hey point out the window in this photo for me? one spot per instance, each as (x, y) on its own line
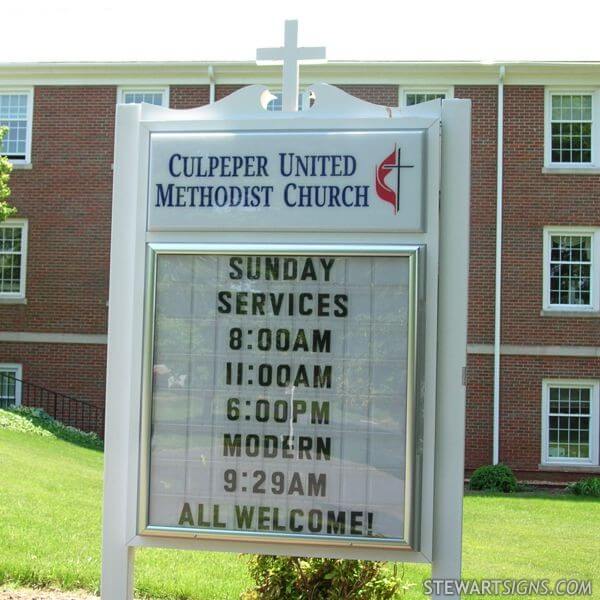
(10, 385)
(570, 426)
(571, 269)
(16, 114)
(571, 128)
(416, 97)
(276, 104)
(158, 96)
(13, 259)
(411, 96)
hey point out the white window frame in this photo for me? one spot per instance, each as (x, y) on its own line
(18, 370)
(594, 305)
(157, 89)
(594, 386)
(566, 91)
(29, 92)
(18, 297)
(403, 90)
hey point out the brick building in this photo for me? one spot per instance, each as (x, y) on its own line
(533, 371)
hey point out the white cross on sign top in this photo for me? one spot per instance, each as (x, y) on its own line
(291, 56)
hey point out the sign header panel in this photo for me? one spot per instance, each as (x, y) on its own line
(280, 395)
(368, 180)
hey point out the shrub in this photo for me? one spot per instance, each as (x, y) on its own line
(586, 487)
(36, 421)
(293, 578)
(494, 478)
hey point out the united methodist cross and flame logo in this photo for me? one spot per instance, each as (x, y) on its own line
(386, 166)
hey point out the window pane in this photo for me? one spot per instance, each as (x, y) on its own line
(8, 395)
(570, 270)
(571, 128)
(156, 97)
(413, 98)
(568, 434)
(13, 114)
(10, 259)
(277, 103)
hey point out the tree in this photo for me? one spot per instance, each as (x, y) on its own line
(6, 210)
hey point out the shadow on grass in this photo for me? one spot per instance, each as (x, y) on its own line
(34, 420)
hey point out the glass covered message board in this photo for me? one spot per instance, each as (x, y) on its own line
(279, 394)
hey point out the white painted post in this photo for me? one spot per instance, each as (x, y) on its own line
(117, 556)
(452, 341)
(291, 56)
(125, 330)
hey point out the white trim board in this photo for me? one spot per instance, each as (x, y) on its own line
(335, 72)
(523, 350)
(506, 349)
(52, 338)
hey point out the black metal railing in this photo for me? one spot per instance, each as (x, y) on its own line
(66, 409)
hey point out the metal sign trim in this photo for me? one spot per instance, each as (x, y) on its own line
(412, 497)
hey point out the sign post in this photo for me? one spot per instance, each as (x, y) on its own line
(287, 330)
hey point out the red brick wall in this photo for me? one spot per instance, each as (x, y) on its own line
(72, 369)
(377, 94)
(188, 96)
(224, 90)
(483, 210)
(533, 200)
(67, 198)
(75, 370)
(520, 406)
(479, 410)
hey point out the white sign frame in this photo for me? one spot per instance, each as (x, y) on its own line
(444, 356)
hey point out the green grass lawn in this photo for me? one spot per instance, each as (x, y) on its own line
(527, 536)
(50, 513)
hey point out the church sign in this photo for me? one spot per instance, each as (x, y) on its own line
(282, 392)
(287, 330)
(360, 177)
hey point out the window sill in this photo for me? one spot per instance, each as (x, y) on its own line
(13, 300)
(562, 468)
(571, 170)
(571, 314)
(22, 166)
